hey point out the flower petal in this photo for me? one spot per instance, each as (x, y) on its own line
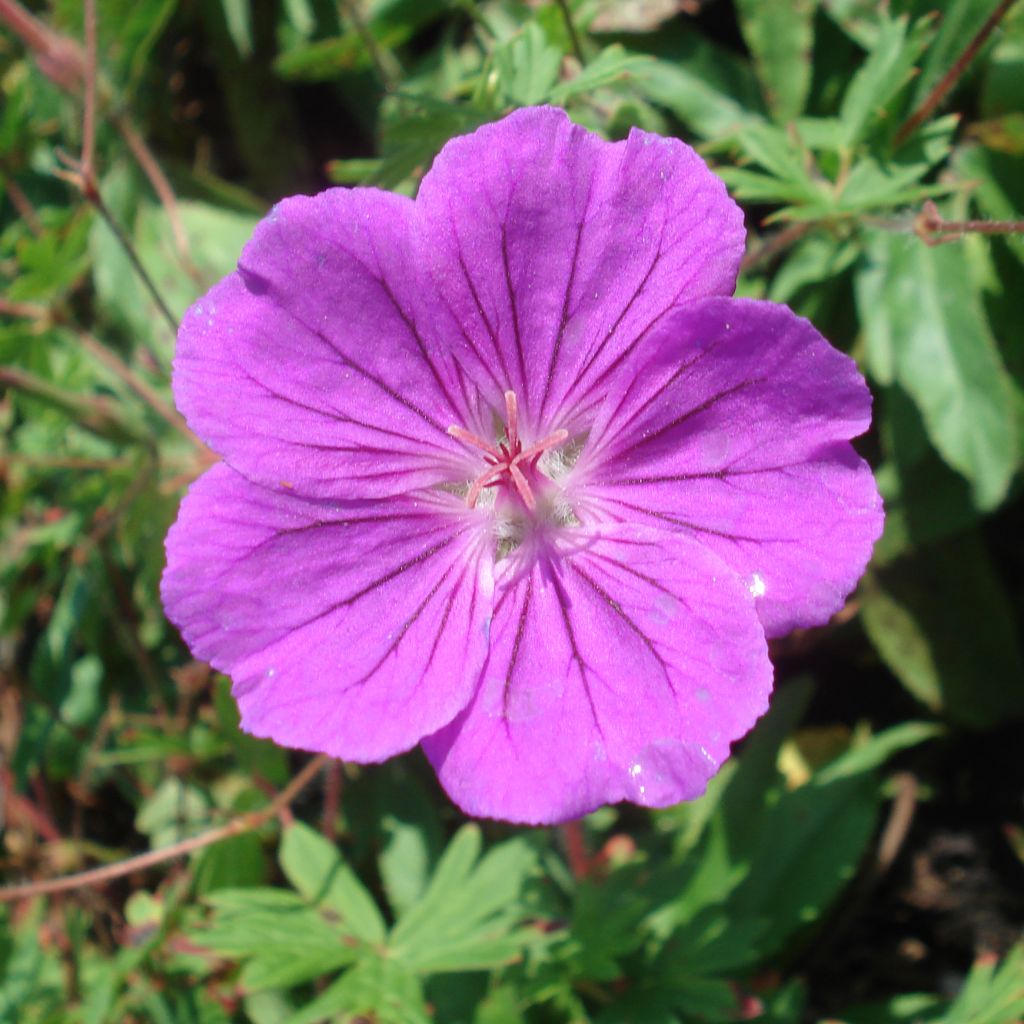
(308, 366)
(349, 630)
(621, 668)
(557, 251)
(737, 430)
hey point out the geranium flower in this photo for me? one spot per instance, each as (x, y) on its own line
(506, 473)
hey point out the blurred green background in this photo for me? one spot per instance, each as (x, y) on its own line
(859, 860)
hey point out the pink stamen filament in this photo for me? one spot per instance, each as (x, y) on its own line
(508, 457)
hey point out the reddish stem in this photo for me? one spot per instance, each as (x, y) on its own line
(576, 851)
(952, 76)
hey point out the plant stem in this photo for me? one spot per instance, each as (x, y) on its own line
(243, 823)
(952, 76)
(933, 229)
(89, 115)
(389, 71)
(574, 37)
(129, 250)
(576, 849)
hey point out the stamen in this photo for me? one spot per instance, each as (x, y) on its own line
(522, 485)
(508, 456)
(551, 441)
(467, 438)
(512, 421)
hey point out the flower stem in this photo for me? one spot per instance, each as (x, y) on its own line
(933, 229)
(243, 823)
(574, 38)
(952, 76)
(576, 851)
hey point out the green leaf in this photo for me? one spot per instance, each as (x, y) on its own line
(887, 70)
(817, 258)
(313, 865)
(926, 330)
(925, 500)
(993, 992)
(875, 182)
(527, 66)
(376, 988)
(960, 22)
(238, 18)
(283, 940)
(704, 85)
(467, 917)
(612, 64)
(780, 36)
(237, 860)
(783, 855)
(605, 925)
(412, 839)
(942, 622)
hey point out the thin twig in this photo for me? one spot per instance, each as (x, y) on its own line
(113, 362)
(570, 25)
(62, 61)
(952, 76)
(389, 71)
(900, 818)
(776, 245)
(59, 58)
(332, 801)
(161, 186)
(29, 310)
(23, 205)
(89, 115)
(243, 823)
(933, 229)
(129, 249)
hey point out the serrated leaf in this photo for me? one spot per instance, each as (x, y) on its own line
(468, 914)
(887, 70)
(412, 838)
(313, 865)
(884, 182)
(527, 66)
(926, 330)
(290, 932)
(377, 988)
(269, 969)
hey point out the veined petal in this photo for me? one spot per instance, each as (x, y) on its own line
(623, 662)
(557, 251)
(353, 630)
(736, 429)
(309, 367)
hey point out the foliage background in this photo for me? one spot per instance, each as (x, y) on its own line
(861, 858)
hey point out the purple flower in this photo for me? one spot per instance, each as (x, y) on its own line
(508, 474)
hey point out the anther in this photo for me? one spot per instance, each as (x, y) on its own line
(507, 457)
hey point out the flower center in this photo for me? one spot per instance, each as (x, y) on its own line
(508, 461)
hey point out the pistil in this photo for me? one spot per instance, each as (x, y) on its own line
(508, 456)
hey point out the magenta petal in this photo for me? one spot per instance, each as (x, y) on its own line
(557, 250)
(309, 368)
(737, 430)
(349, 630)
(623, 663)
